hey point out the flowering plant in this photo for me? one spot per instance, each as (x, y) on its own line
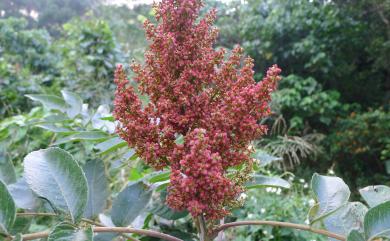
(214, 104)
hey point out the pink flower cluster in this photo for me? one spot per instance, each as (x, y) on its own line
(215, 104)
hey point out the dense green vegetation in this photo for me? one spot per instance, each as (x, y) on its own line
(330, 113)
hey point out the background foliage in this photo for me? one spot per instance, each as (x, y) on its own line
(330, 115)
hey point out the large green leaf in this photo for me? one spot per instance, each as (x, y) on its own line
(375, 195)
(130, 203)
(23, 195)
(110, 145)
(51, 102)
(7, 171)
(331, 194)
(261, 181)
(7, 209)
(347, 218)
(74, 101)
(377, 222)
(83, 135)
(67, 232)
(354, 235)
(54, 175)
(97, 186)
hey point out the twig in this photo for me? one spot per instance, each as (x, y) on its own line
(280, 224)
(54, 214)
(83, 219)
(149, 233)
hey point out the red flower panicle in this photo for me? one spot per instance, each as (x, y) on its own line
(215, 104)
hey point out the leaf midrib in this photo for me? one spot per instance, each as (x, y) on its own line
(63, 194)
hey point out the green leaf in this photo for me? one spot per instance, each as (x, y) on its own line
(134, 174)
(18, 237)
(130, 203)
(84, 135)
(375, 195)
(354, 235)
(110, 145)
(74, 101)
(331, 194)
(108, 118)
(97, 122)
(377, 222)
(265, 158)
(23, 196)
(7, 170)
(97, 188)
(51, 102)
(159, 176)
(105, 237)
(56, 129)
(7, 209)
(347, 218)
(67, 232)
(54, 175)
(55, 118)
(161, 187)
(159, 208)
(261, 181)
(313, 211)
(21, 225)
(106, 220)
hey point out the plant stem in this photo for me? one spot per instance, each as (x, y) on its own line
(203, 228)
(54, 214)
(280, 224)
(149, 233)
(83, 219)
(220, 236)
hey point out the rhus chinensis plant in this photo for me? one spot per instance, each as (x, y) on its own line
(196, 128)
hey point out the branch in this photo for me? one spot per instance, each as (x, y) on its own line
(83, 219)
(280, 224)
(54, 214)
(120, 230)
(203, 228)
